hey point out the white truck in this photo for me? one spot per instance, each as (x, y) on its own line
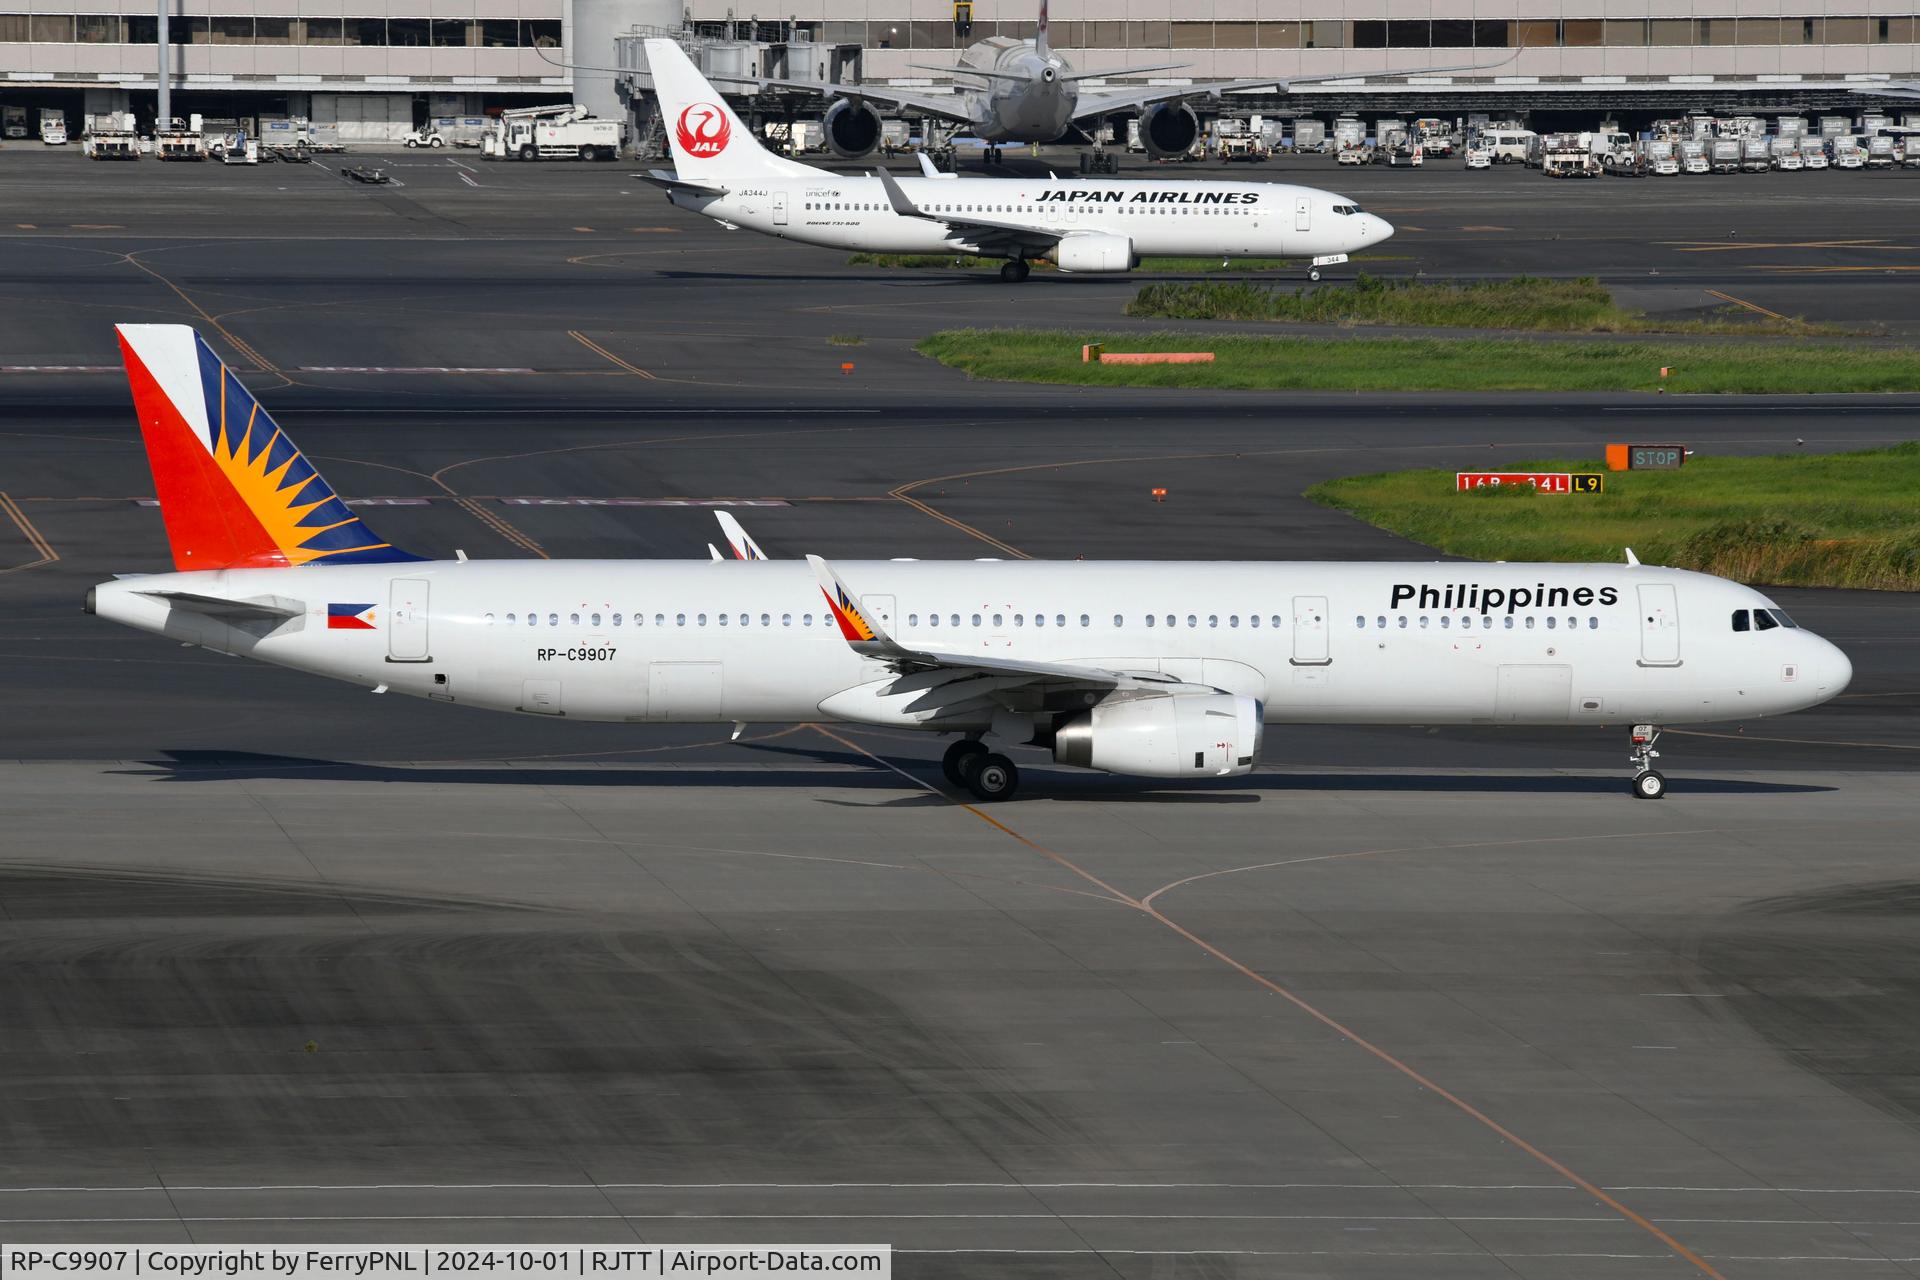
(53, 127)
(1661, 156)
(1843, 152)
(1756, 154)
(1813, 152)
(1724, 155)
(1784, 154)
(1693, 157)
(1612, 147)
(1880, 152)
(563, 132)
(13, 121)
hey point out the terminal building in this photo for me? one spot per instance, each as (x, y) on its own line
(371, 69)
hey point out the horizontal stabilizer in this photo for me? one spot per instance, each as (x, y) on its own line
(672, 182)
(273, 608)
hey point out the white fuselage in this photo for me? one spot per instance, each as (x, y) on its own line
(1435, 643)
(1212, 219)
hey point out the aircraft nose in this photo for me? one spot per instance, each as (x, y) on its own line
(1380, 229)
(1833, 670)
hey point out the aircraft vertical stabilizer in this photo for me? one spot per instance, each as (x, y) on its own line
(708, 140)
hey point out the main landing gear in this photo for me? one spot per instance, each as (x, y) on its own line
(1648, 784)
(988, 775)
(1014, 271)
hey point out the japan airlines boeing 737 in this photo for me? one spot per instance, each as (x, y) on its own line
(1083, 224)
(1161, 670)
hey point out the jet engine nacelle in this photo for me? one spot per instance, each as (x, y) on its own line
(1169, 129)
(852, 128)
(1201, 735)
(1094, 251)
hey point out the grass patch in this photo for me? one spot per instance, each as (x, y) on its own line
(1170, 266)
(846, 340)
(1525, 302)
(1814, 520)
(1429, 364)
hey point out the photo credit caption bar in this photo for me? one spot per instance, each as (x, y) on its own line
(415, 1262)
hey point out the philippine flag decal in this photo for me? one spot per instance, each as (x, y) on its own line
(350, 617)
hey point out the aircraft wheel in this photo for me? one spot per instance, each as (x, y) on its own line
(1015, 271)
(1314, 274)
(1648, 784)
(961, 757)
(994, 778)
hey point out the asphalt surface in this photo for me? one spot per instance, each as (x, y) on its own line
(283, 960)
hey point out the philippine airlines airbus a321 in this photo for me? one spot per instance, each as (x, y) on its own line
(1153, 669)
(1082, 224)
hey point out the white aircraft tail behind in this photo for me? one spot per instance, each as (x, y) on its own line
(708, 140)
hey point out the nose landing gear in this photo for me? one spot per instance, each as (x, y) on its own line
(1648, 783)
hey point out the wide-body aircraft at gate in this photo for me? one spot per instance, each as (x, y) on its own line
(1079, 224)
(1154, 669)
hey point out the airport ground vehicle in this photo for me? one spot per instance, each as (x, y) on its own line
(557, 132)
(1879, 152)
(1661, 157)
(53, 127)
(1353, 155)
(1723, 155)
(1813, 152)
(13, 122)
(1159, 670)
(180, 140)
(1566, 155)
(1785, 154)
(1843, 152)
(1079, 224)
(424, 138)
(1509, 146)
(1479, 158)
(1756, 154)
(1611, 147)
(1693, 158)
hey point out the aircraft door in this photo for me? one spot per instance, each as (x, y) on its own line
(1310, 629)
(1303, 214)
(1659, 626)
(407, 620)
(779, 208)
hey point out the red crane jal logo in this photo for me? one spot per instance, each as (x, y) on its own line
(703, 130)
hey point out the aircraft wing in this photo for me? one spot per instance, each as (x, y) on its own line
(985, 235)
(940, 106)
(1093, 105)
(865, 638)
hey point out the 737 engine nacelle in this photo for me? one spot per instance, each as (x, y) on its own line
(1210, 735)
(851, 128)
(1094, 251)
(1169, 130)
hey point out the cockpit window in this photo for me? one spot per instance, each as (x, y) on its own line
(1780, 616)
(1348, 209)
(1740, 621)
(1763, 620)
